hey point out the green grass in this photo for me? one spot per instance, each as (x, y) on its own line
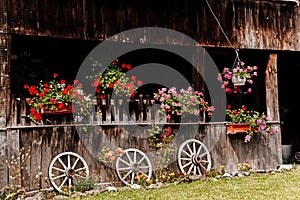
(279, 185)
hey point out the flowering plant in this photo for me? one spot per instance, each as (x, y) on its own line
(242, 72)
(108, 156)
(82, 101)
(160, 137)
(55, 95)
(52, 95)
(257, 121)
(163, 138)
(182, 102)
(113, 78)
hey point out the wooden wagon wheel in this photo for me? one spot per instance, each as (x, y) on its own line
(193, 158)
(133, 166)
(64, 169)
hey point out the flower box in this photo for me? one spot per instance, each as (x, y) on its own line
(237, 128)
(60, 110)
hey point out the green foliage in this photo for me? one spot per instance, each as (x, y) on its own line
(161, 137)
(163, 140)
(243, 72)
(113, 78)
(182, 103)
(15, 190)
(245, 167)
(84, 184)
(257, 121)
(56, 95)
(108, 156)
(280, 185)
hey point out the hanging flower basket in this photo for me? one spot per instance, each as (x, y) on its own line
(238, 80)
(237, 128)
(239, 75)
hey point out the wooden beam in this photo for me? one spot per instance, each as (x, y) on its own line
(271, 82)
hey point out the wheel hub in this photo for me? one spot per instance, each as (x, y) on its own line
(196, 159)
(70, 172)
(135, 167)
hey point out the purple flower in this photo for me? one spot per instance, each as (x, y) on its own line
(247, 138)
(193, 99)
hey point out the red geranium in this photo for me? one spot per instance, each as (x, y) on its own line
(52, 95)
(114, 78)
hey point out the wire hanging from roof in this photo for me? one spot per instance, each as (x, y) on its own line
(237, 59)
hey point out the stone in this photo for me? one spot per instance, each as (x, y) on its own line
(135, 186)
(285, 167)
(111, 188)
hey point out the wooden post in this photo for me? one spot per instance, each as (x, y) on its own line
(140, 108)
(272, 101)
(148, 106)
(271, 83)
(23, 112)
(108, 110)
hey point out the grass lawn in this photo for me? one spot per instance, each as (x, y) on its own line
(279, 185)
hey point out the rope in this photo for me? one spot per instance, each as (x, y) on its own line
(219, 24)
(237, 59)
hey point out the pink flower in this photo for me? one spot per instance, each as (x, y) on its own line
(219, 77)
(247, 138)
(193, 99)
(162, 99)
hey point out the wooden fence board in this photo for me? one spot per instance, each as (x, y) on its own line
(48, 140)
(227, 150)
(3, 158)
(13, 147)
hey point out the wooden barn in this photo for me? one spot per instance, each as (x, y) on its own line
(39, 38)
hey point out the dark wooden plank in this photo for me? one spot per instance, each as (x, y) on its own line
(248, 24)
(263, 151)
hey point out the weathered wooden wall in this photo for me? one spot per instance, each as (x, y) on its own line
(264, 152)
(248, 23)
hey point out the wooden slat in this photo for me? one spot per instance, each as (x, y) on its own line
(13, 147)
(108, 117)
(47, 142)
(3, 158)
(140, 109)
(248, 24)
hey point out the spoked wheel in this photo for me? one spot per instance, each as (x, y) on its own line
(133, 166)
(65, 168)
(193, 158)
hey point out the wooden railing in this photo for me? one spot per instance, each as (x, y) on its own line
(142, 109)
